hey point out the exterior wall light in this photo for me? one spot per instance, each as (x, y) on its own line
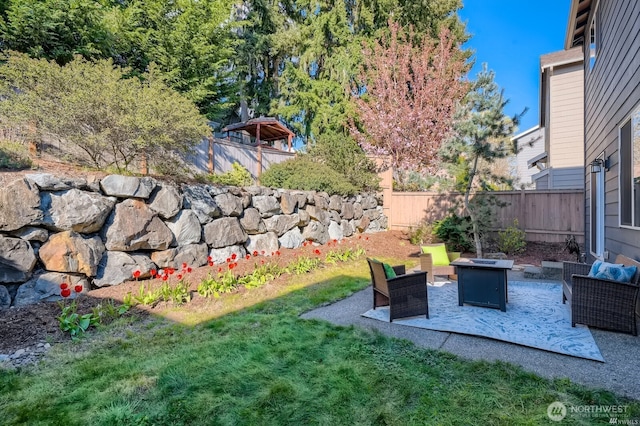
(598, 164)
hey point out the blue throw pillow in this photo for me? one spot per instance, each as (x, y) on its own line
(613, 272)
(594, 268)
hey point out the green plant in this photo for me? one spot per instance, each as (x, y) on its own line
(237, 176)
(304, 264)
(421, 234)
(305, 174)
(14, 155)
(455, 232)
(345, 255)
(225, 283)
(512, 239)
(69, 319)
(108, 311)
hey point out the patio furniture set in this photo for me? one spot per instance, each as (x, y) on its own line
(596, 298)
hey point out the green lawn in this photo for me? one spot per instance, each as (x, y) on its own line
(260, 364)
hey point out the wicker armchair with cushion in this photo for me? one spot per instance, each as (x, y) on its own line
(405, 294)
(435, 259)
(601, 302)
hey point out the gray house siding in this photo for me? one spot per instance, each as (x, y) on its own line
(612, 91)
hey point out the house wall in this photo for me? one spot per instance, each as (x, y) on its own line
(565, 125)
(612, 91)
(529, 144)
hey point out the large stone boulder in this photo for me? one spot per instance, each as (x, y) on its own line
(186, 228)
(75, 210)
(335, 203)
(318, 214)
(46, 288)
(117, 267)
(193, 255)
(134, 226)
(288, 202)
(19, 205)
(5, 298)
(252, 222)
(229, 204)
(31, 233)
(17, 260)
(198, 199)
(316, 231)
(347, 210)
(166, 200)
(225, 231)
(264, 244)
(291, 239)
(335, 231)
(220, 255)
(48, 182)
(69, 251)
(281, 223)
(267, 205)
(127, 186)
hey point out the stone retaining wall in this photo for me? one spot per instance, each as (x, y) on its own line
(96, 233)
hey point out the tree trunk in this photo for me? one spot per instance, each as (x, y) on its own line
(474, 222)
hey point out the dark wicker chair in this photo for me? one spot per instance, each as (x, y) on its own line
(406, 294)
(600, 303)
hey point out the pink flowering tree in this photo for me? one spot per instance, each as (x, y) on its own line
(406, 97)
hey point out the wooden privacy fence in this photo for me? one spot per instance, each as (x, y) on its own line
(545, 215)
(218, 155)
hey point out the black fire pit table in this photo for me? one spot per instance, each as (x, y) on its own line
(483, 282)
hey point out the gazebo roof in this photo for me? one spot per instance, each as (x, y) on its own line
(270, 129)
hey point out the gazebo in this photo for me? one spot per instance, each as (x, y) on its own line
(263, 129)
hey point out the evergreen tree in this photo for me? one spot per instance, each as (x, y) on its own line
(482, 132)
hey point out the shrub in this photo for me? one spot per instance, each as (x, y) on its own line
(107, 118)
(237, 176)
(346, 157)
(14, 155)
(421, 234)
(512, 239)
(304, 174)
(455, 232)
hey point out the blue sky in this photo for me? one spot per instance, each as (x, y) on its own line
(509, 36)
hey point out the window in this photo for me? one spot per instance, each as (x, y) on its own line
(592, 44)
(630, 171)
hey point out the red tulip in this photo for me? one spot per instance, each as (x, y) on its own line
(335, 241)
(78, 288)
(65, 292)
(228, 260)
(232, 265)
(63, 286)
(220, 269)
(171, 271)
(248, 257)
(184, 265)
(179, 276)
(209, 259)
(165, 277)
(255, 252)
(136, 274)
(210, 263)
(317, 251)
(153, 273)
(278, 253)
(189, 269)
(234, 256)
